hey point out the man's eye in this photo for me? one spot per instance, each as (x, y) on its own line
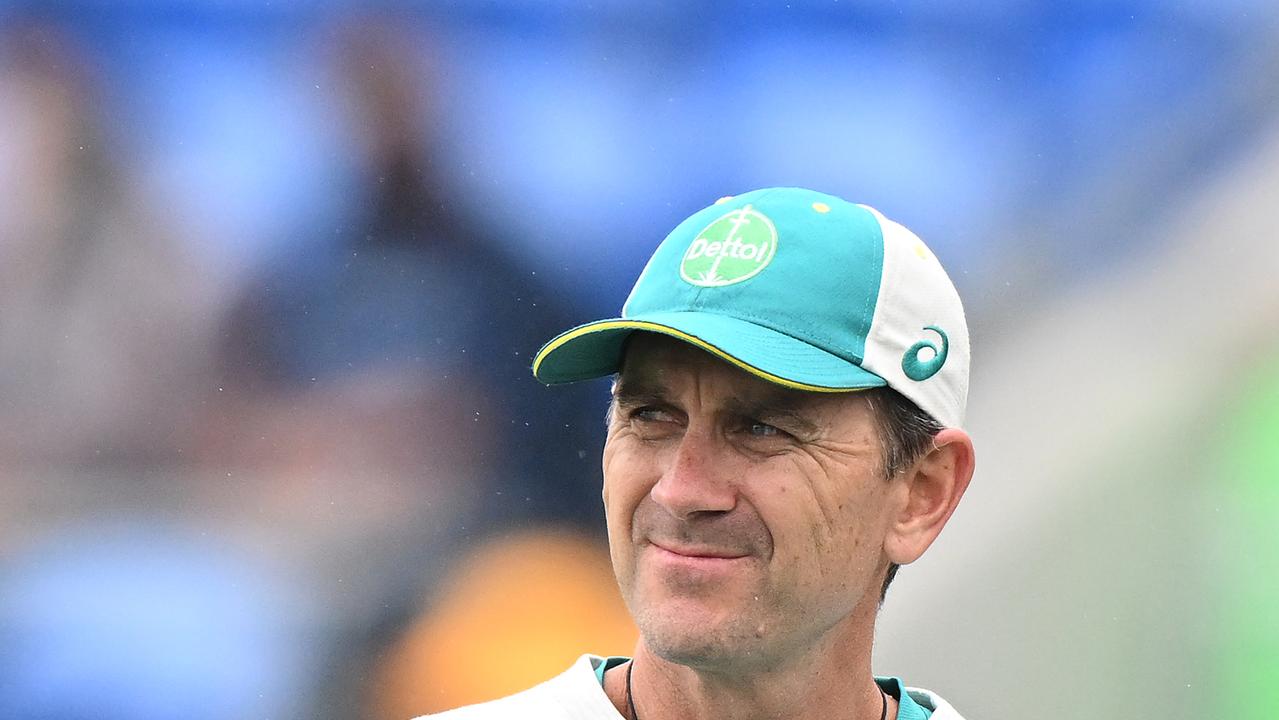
(650, 414)
(759, 429)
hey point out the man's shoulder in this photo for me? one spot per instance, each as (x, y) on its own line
(574, 694)
(527, 703)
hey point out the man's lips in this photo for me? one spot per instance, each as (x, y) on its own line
(696, 552)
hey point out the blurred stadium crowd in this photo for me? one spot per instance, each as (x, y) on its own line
(271, 278)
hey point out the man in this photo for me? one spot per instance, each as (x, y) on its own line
(791, 378)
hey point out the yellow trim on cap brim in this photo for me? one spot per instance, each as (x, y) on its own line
(691, 339)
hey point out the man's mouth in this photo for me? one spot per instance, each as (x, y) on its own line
(697, 552)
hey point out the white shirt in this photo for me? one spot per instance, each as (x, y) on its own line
(575, 694)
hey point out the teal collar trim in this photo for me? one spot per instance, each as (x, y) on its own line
(907, 708)
(607, 664)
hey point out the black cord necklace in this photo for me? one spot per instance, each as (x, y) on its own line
(630, 699)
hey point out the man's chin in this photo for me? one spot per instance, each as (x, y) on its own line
(688, 633)
(694, 652)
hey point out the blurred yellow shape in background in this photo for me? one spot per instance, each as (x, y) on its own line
(515, 612)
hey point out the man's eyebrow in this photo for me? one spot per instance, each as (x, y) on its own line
(632, 392)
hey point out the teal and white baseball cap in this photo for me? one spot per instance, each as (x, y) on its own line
(797, 287)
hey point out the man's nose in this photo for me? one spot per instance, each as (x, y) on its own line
(697, 478)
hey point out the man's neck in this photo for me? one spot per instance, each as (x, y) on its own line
(824, 690)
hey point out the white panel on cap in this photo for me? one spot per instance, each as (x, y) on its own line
(915, 292)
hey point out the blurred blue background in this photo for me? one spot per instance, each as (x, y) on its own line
(271, 275)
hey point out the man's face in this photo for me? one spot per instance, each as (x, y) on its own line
(746, 520)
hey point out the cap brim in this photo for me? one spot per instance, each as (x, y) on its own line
(595, 350)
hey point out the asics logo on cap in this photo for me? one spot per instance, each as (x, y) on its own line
(919, 370)
(733, 248)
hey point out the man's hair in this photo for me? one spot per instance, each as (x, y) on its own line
(906, 433)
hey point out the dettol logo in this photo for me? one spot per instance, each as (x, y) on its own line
(733, 248)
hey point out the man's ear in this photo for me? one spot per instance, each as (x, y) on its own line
(930, 491)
